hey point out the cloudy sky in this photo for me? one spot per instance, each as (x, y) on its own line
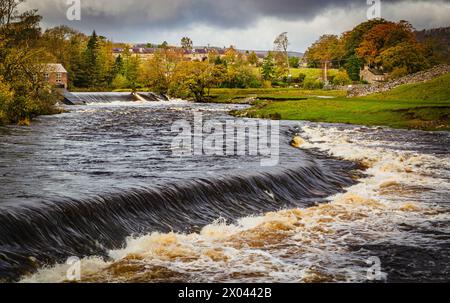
(247, 24)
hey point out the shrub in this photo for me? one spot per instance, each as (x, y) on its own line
(241, 77)
(119, 82)
(267, 84)
(342, 78)
(300, 79)
(313, 84)
(398, 72)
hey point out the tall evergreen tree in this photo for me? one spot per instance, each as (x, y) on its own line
(91, 68)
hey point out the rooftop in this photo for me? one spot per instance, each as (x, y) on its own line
(55, 68)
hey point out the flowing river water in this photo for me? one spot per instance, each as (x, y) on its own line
(101, 183)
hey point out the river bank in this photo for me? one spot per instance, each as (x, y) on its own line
(424, 106)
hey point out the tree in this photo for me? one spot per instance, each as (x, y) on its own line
(194, 79)
(380, 38)
(268, 68)
(282, 66)
(132, 70)
(294, 62)
(241, 76)
(282, 44)
(119, 82)
(23, 92)
(106, 63)
(164, 45)
(342, 78)
(186, 43)
(353, 67)
(252, 59)
(328, 48)
(353, 38)
(231, 55)
(119, 68)
(404, 56)
(66, 46)
(157, 72)
(90, 71)
(8, 11)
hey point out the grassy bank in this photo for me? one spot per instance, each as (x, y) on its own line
(420, 106)
(310, 73)
(274, 94)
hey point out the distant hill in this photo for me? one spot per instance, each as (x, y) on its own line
(439, 38)
(264, 53)
(439, 34)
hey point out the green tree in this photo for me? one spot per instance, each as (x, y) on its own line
(194, 79)
(252, 58)
(294, 62)
(268, 68)
(120, 82)
(186, 43)
(90, 73)
(132, 71)
(353, 67)
(119, 66)
(404, 55)
(157, 72)
(342, 78)
(282, 44)
(23, 92)
(164, 45)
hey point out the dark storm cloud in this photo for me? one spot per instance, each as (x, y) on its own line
(250, 23)
(103, 14)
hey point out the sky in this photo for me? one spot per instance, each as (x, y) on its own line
(246, 24)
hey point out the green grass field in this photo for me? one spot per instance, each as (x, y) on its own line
(226, 95)
(419, 106)
(311, 73)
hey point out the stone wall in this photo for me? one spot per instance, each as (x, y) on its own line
(423, 76)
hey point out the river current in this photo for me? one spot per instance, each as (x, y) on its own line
(101, 183)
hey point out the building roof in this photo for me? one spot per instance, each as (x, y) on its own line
(376, 72)
(200, 51)
(55, 68)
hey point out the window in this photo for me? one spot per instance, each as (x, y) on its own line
(58, 77)
(47, 76)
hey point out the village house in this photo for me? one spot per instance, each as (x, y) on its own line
(198, 54)
(141, 52)
(56, 75)
(372, 75)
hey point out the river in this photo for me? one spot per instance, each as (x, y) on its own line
(101, 183)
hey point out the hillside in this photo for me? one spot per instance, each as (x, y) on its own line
(420, 77)
(437, 89)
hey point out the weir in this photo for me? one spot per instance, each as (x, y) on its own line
(82, 98)
(39, 236)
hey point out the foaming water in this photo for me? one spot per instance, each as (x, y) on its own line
(397, 213)
(80, 183)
